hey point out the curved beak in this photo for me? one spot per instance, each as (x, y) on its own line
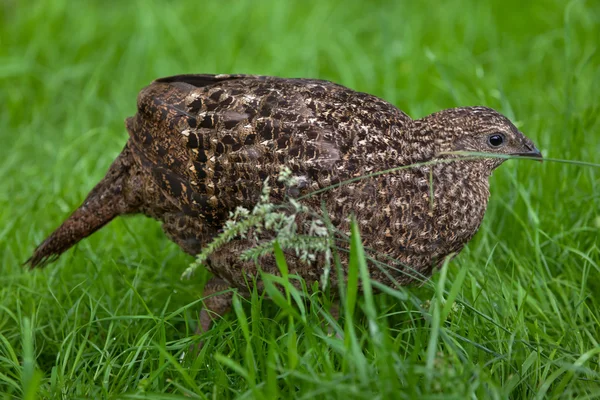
(531, 152)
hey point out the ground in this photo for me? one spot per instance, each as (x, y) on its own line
(516, 315)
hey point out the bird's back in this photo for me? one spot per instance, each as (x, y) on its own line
(209, 141)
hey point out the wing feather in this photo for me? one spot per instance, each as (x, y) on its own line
(209, 141)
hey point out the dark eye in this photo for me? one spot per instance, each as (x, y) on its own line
(496, 140)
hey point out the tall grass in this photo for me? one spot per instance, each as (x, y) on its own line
(516, 315)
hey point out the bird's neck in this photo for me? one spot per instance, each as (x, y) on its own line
(401, 148)
(460, 197)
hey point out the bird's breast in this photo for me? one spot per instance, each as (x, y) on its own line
(418, 216)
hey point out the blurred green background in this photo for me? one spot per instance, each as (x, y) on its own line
(93, 324)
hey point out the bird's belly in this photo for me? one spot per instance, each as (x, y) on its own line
(190, 233)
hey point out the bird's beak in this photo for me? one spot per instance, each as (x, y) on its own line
(532, 152)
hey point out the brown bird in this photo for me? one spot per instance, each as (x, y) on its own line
(202, 145)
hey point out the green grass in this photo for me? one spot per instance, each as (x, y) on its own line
(516, 315)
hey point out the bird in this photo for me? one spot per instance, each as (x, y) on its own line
(201, 145)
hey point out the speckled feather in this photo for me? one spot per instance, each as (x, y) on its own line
(201, 145)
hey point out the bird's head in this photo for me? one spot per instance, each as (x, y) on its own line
(474, 129)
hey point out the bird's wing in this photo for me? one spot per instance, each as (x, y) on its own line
(211, 140)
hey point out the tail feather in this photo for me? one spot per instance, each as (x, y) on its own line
(86, 220)
(105, 202)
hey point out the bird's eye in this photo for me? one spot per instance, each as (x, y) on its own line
(496, 140)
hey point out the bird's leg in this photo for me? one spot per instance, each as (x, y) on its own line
(215, 306)
(334, 310)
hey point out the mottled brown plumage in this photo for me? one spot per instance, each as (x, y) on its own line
(201, 145)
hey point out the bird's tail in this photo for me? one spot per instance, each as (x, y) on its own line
(105, 202)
